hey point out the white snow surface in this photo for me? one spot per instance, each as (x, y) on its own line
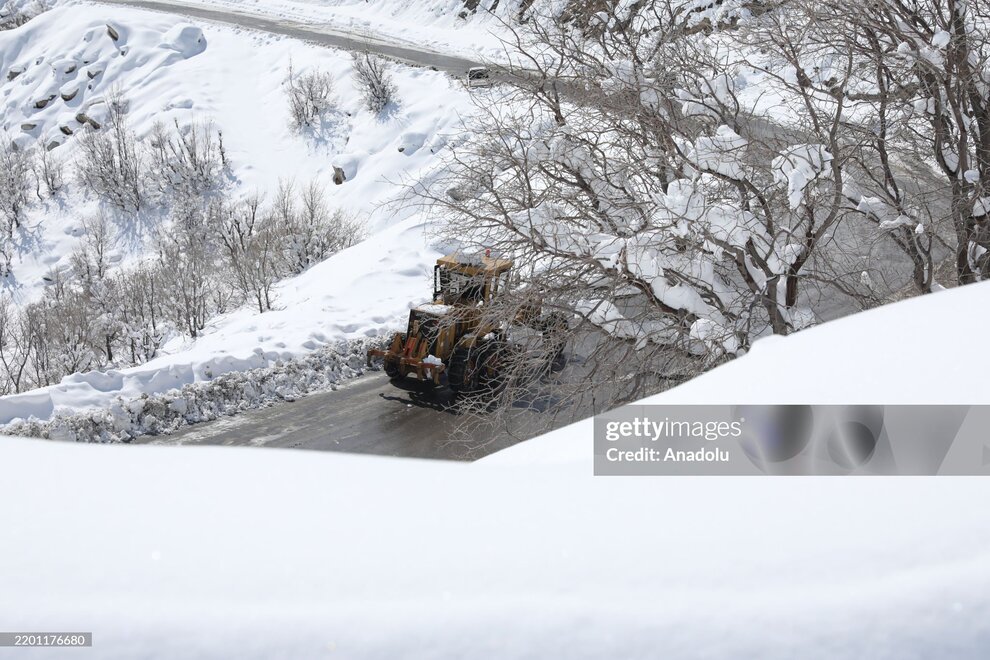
(220, 552)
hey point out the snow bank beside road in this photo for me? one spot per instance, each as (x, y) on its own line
(360, 293)
(125, 419)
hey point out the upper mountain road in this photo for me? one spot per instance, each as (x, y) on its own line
(313, 32)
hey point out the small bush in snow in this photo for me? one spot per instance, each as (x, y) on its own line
(310, 96)
(188, 161)
(50, 172)
(112, 161)
(374, 82)
(311, 232)
(15, 183)
(261, 245)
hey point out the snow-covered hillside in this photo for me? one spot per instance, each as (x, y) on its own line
(212, 552)
(171, 69)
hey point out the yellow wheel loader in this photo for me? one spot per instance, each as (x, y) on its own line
(451, 341)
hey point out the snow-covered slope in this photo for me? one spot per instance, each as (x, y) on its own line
(220, 552)
(172, 69)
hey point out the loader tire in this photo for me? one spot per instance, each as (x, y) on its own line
(462, 376)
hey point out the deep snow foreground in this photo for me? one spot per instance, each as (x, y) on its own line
(221, 552)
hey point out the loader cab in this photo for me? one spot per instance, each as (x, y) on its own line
(468, 279)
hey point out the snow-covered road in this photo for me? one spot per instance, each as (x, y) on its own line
(320, 34)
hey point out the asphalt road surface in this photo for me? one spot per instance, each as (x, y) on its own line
(313, 32)
(367, 415)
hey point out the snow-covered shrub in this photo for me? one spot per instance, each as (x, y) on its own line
(310, 96)
(62, 333)
(250, 250)
(311, 232)
(15, 183)
(112, 163)
(261, 245)
(193, 293)
(188, 162)
(374, 82)
(50, 171)
(13, 349)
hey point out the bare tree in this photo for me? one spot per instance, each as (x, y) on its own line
(112, 163)
(187, 161)
(14, 351)
(251, 250)
(644, 204)
(312, 233)
(310, 96)
(190, 291)
(50, 171)
(15, 183)
(374, 81)
(922, 110)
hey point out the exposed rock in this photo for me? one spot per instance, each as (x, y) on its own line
(65, 66)
(28, 126)
(85, 119)
(65, 129)
(42, 102)
(114, 34)
(338, 175)
(14, 72)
